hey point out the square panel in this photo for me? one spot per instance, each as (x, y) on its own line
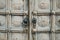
(3, 22)
(3, 36)
(42, 6)
(42, 36)
(16, 23)
(57, 23)
(18, 36)
(43, 23)
(19, 6)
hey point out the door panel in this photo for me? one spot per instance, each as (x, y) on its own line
(56, 5)
(57, 23)
(2, 5)
(42, 6)
(19, 6)
(3, 36)
(43, 23)
(18, 36)
(16, 23)
(3, 22)
(29, 19)
(57, 36)
(42, 36)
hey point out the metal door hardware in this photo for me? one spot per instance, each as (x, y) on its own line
(34, 20)
(25, 21)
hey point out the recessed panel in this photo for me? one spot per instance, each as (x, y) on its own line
(2, 22)
(42, 36)
(57, 37)
(58, 4)
(19, 5)
(57, 22)
(3, 36)
(42, 5)
(2, 5)
(18, 36)
(16, 23)
(43, 23)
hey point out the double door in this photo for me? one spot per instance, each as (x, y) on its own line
(29, 19)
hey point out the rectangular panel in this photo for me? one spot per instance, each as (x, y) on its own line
(56, 5)
(2, 5)
(16, 23)
(42, 36)
(3, 36)
(3, 22)
(57, 37)
(19, 6)
(18, 36)
(57, 22)
(43, 23)
(42, 6)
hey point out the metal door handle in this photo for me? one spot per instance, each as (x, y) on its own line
(34, 20)
(25, 21)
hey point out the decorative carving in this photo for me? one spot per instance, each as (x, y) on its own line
(43, 5)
